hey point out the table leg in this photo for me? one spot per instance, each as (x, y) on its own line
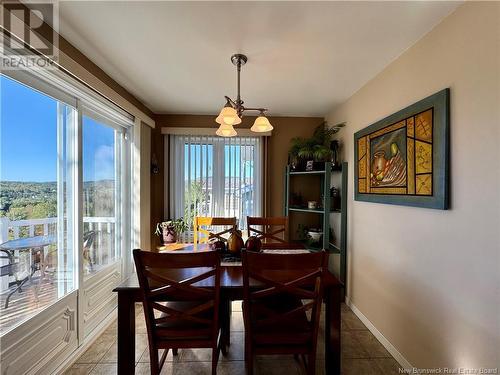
(126, 334)
(225, 319)
(18, 289)
(332, 331)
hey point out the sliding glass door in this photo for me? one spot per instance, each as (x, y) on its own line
(102, 164)
(37, 170)
(215, 176)
(100, 195)
(63, 167)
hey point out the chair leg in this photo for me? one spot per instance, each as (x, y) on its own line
(303, 358)
(249, 365)
(153, 359)
(222, 346)
(162, 360)
(215, 359)
(248, 358)
(175, 351)
(227, 322)
(311, 364)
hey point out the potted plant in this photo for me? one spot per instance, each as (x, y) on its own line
(169, 230)
(315, 150)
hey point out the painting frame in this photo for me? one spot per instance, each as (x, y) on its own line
(436, 194)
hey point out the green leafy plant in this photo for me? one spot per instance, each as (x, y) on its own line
(317, 147)
(195, 201)
(177, 225)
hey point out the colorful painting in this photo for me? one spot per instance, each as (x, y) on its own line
(403, 159)
(388, 159)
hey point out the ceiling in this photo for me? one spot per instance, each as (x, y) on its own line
(304, 58)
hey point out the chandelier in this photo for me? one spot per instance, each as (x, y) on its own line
(233, 110)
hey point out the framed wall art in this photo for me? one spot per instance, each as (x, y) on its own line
(404, 158)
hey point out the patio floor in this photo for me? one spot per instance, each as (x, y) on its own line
(33, 298)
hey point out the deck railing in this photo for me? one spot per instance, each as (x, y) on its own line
(13, 229)
(102, 249)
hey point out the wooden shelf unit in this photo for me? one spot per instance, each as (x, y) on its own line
(325, 211)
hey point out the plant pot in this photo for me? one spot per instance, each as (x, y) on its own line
(298, 166)
(319, 166)
(315, 237)
(334, 146)
(169, 235)
(312, 165)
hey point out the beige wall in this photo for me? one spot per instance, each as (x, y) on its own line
(427, 279)
(76, 64)
(285, 128)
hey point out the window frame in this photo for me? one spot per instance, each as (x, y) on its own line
(120, 161)
(171, 151)
(62, 88)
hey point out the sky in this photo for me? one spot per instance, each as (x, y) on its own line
(236, 163)
(28, 141)
(28, 138)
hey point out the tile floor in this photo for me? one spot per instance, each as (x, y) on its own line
(362, 354)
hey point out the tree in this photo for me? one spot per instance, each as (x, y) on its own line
(43, 210)
(17, 213)
(195, 198)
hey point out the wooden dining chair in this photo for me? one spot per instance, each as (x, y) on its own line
(88, 240)
(202, 233)
(277, 325)
(283, 245)
(181, 296)
(272, 229)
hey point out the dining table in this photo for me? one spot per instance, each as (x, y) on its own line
(27, 243)
(231, 284)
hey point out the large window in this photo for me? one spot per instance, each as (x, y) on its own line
(63, 161)
(37, 259)
(214, 176)
(101, 194)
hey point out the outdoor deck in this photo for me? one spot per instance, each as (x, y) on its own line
(42, 292)
(26, 304)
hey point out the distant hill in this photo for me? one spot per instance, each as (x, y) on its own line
(33, 200)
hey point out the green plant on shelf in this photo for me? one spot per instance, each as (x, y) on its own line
(315, 148)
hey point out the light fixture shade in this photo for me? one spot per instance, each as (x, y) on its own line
(226, 131)
(261, 125)
(228, 116)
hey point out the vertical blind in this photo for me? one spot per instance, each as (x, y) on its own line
(215, 176)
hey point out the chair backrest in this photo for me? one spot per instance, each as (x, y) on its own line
(193, 277)
(202, 233)
(11, 267)
(296, 275)
(272, 229)
(88, 238)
